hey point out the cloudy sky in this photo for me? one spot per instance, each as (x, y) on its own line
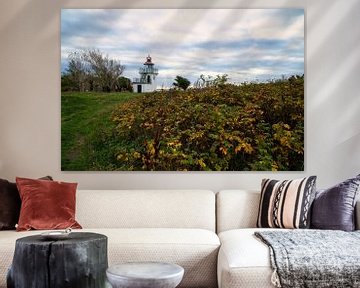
(246, 44)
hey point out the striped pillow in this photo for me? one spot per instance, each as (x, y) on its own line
(286, 204)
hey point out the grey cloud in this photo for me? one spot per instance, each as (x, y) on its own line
(80, 23)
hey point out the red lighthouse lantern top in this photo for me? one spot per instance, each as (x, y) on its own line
(148, 60)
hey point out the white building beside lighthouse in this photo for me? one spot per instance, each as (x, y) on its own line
(147, 80)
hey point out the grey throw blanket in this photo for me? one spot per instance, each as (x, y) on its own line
(314, 258)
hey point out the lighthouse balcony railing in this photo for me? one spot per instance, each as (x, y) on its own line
(148, 70)
(141, 80)
(137, 80)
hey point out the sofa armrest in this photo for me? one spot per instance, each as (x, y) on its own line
(357, 215)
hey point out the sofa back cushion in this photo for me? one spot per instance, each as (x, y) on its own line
(146, 209)
(236, 209)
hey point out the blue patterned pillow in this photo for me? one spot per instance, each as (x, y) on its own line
(334, 208)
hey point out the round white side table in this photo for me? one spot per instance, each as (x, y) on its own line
(145, 275)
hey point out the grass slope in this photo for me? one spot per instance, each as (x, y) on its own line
(85, 117)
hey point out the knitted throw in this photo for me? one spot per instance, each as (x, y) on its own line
(313, 258)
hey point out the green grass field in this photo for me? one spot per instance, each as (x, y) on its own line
(85, 125)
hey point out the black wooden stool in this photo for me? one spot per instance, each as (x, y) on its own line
(78, 261)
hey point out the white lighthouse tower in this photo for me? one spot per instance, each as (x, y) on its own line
(147, 80)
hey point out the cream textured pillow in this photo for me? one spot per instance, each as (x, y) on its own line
(286, 204)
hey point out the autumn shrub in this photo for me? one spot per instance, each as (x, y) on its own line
(252, 126)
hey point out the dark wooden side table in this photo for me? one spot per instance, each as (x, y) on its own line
(78, 261)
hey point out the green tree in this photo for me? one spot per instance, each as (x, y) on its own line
(220, 80)
(68, 84)
(209, 81)
(76, 73)
(105, 70)
(124, 84)
(91, 70)
(181, 82)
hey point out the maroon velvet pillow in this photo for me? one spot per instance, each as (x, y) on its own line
(46, 204)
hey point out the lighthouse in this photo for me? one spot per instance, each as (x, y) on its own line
(147, 80)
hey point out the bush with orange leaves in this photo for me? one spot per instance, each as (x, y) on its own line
(247, 127)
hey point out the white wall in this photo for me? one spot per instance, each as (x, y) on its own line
(30, 94)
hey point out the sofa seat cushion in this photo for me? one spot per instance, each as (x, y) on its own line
(196, 250)
(244, 261)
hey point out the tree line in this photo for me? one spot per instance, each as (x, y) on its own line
(203, 81)
(90, 70)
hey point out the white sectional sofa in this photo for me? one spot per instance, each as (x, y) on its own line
(175, 226)
(210, 235)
